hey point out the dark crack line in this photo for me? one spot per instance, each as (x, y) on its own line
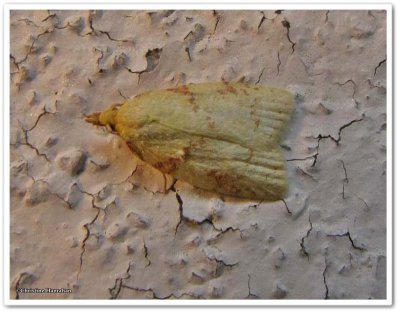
(113, 39)
(347, 125)
(218, 17)
(17, 284)
(350, 260)
(371, 85)
(151, 191)
(99, 58)
(321, 137)
(187, 49)
(303, 248)
(325, 109)
(26, 166)
(108, 185)
(146, 254)
(152, 57)
(141, 290)
(63, 200)
(95, 196)
(50, 15)
(380, 63)
(339, 138)
(115, 291)
(90, 20)
(83, 246)
(154, 296)
(28, 22)
(326, 16)
(314, 156)
(57, 20)
(123, 181)
(286, 206)
(188, 34)
(325, 282)
(259, 76)
(181, 216)
(64, 27)
(304, 173)
(14, 61)
(38, 119)
(86, 226)
(250, 295)
(370, 14)
(27, 130)
(278, 65)
(93, 31)
(263, 18)
(255, 205)
(208, 220)
(193, 296)
(166, 297)
(346, 179)
(135, 72)
(122, 95)
(48, 185)
(38, 153)
(172, 187)
(222, 262)
(222, 231)
(363, 201)
(300, 159)
(286, 24)
(347, 234)
(33, 43)
(354, 90)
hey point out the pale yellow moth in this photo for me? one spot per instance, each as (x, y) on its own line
(222, 136)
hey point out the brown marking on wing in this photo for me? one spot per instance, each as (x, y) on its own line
(181, 89)
(168, 166)
(244, 91)
(231, 89)
(134, 149)
(193, 102)
(225, 181)
(185, 91)
(210, 122)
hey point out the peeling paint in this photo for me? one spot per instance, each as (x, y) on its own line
(101, 222)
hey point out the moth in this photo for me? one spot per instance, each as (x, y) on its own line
(221, 136)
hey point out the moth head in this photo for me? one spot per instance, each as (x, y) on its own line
(105, 118)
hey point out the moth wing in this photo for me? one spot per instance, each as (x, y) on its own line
(235, 170)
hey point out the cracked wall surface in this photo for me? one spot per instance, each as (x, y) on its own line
(88, 215)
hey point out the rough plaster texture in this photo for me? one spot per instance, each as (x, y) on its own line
(88, 215)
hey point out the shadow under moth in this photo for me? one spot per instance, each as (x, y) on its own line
(221, 136)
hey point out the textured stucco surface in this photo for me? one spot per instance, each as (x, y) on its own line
(88, 215)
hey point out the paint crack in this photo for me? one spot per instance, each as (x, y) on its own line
(302, 242)
(347, 234)
(286, 24)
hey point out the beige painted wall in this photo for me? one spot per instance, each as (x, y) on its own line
(88, 215)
